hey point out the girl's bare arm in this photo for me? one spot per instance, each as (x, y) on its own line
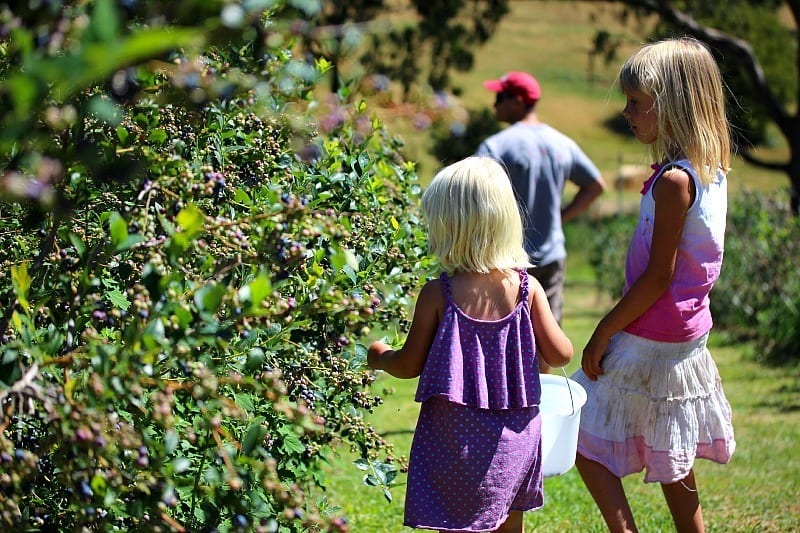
(553, 344)
(408, 361)
(673, 193)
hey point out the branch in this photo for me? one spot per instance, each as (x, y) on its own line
(738, 49)
(794, 7)
(25, 390)
(747, 154)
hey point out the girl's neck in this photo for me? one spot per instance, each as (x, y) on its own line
(494, 273)
(486, 296)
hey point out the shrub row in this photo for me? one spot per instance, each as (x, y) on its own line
(186, 266)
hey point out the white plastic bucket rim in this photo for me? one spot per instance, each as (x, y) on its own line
(560, 407)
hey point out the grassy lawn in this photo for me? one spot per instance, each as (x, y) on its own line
(758, 491)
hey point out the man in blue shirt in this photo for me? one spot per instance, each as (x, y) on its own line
(539, 160)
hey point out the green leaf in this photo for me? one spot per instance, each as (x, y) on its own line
(25, 90)
(242, 197)
(122, 134)
(255, 435)
(386, 472)
(98, 484)
(359, 356)
(98, 61)
(185, 316)
(104, 23)
(10, 372)
(244, 401)
(118, 228)
(105, 110)
(351, 259)
(256, 291)
(199, 514)
(118, 299)
(292, 444)
(157, 136)
(21, 281)
(209, 297)
(153, 334)
(191, 219)
(344, 260)
(129, 242)
(351, 274)
(255, 359)
(76, 241)
(170, 442)
(180, 464)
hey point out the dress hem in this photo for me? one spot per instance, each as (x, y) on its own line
(659, 466)
(481, 530)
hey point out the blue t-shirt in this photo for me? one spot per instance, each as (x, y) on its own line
(539, 160)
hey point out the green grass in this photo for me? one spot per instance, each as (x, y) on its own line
(756, 492)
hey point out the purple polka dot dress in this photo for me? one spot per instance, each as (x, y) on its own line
(476, 453)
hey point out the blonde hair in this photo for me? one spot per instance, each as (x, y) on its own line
(474, 221)
(684, 80)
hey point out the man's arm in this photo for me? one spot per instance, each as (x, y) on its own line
(583, 199)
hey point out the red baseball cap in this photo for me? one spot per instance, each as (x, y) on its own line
(521, 84)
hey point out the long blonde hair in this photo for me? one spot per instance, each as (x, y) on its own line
(684, 80)
(474, 220)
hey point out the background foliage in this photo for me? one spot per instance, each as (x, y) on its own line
(758, 23)
(189, 250)
(758, 296)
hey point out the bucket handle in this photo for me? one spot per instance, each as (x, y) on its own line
(571, 398)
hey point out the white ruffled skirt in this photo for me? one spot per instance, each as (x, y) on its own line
(657, 407)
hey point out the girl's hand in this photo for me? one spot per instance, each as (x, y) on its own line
(407, 362)
(376, 349)
(593, 354)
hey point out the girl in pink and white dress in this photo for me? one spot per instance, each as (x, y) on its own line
(655, 398)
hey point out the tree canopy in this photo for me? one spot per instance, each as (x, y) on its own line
(411, 42)
(757, 48)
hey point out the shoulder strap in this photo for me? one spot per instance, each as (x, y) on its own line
(659, 169)
(523, 285)
(448, 296)
(686, 166)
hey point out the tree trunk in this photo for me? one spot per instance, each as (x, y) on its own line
(794, 173)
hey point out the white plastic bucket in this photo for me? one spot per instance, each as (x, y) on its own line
(560, 407)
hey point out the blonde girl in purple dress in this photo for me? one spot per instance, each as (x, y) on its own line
(477, 333)
(655, 398)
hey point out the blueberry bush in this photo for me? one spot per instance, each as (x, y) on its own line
(190, 251)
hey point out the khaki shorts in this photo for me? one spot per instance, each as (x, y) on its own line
(551, 277)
